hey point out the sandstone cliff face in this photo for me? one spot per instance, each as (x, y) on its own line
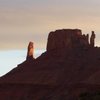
(67, 38)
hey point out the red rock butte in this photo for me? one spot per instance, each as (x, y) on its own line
(69, 38)
(69, 67)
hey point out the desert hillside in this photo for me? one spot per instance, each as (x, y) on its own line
(69, 68)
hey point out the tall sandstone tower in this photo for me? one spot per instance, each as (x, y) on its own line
(30, 50)
(92, 39)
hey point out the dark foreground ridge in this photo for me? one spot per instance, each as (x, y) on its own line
(68, 70)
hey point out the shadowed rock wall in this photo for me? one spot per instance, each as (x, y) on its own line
(67, 38)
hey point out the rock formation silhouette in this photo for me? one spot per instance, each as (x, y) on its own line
(30, 51)
(92, 39)
(69, 67)
(69, 38)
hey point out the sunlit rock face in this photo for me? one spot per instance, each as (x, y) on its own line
(30, 51)
(67, 38)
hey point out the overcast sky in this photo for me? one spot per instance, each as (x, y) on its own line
(22, 21)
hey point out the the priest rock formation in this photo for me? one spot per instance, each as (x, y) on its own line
(69, 67)
(69, 38)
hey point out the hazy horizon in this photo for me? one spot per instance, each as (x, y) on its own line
(11, 58)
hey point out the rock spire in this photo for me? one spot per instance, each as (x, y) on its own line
(92, 39)
(30, 50)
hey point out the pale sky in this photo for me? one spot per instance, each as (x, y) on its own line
(22, 21)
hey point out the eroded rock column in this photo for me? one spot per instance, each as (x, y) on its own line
(92, 39)
(30, 50)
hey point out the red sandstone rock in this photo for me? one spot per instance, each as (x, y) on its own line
(52, 76)
(92, 39)
(30, 51)
(66, 38)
